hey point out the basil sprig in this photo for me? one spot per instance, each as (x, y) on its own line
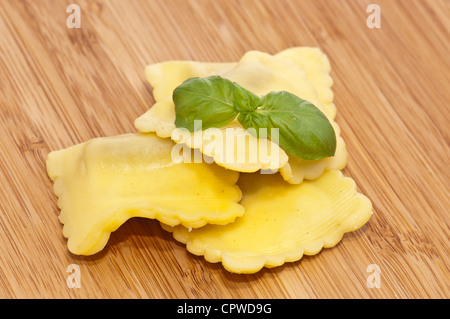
(303, 130)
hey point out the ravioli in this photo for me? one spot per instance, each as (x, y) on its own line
(282, 222)
(105, 181)
(260, 73)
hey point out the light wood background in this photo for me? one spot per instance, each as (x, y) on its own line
(62, 86)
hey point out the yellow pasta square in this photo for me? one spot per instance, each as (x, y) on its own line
(282, 222)
(302, 71)
(105, 181)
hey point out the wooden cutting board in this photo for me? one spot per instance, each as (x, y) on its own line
(60, 86)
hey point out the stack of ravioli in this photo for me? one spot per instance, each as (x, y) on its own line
(246, 214)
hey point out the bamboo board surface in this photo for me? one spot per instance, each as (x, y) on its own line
(61, 86)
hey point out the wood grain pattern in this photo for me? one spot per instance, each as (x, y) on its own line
(61, 86)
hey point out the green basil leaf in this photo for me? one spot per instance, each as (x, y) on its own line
(253, 122)
(207, 99)
(244, 100)
(304, 131)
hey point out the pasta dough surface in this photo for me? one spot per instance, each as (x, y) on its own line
(282, 222)
(105, 181)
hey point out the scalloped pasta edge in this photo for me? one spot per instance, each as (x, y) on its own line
(258, 262)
